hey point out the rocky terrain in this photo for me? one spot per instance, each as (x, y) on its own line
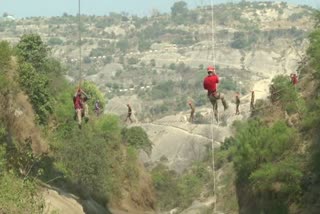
(157, 65)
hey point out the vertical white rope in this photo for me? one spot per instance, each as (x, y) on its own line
(80, 45)
(213, 164)
(213, 36)
(213, 117)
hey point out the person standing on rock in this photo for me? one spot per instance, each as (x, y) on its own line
(192, 112)
(210, 84)
(129, 113)
(237, 104)
(252, 101)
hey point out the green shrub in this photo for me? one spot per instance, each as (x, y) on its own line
(5, 56)
(287, 94)
(137, 138)
(36, 86)
(314, 50)
(55, 41)
(32, 50)
(19, 196)
(175, 190)
(283, 177)
(258, 144)
(81, 155)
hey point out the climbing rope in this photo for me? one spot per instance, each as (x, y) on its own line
(213, 117)
(80, 43)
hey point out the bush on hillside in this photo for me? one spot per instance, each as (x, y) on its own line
(81, 155)
(5, 56)
(36, 86)
(94, 94)
(137, 138)
(175, 190)
(263, 158)
(314, 50)
(163, 90)
(287, 94)
(55, 41)
(32, 50)
(19, 196)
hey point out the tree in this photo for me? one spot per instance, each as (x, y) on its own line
(137, 138)
(55, 41)
(262, 157)
(32, 50)
(179, 12)
(5, 56)
(314, 49)
(317, 18)
(153, 62)
(36, 86)
(179, 8)
(123, 45)
(94, 93)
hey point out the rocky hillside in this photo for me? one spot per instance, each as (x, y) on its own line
(145, 56)
(156, 64)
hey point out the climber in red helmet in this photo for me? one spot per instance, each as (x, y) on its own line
(210, 84)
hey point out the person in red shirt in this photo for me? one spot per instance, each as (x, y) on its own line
(80, 106)
(210, 84)
(294, 79)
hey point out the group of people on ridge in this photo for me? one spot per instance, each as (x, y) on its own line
(210, 83)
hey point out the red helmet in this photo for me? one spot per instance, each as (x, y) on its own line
(210, 68)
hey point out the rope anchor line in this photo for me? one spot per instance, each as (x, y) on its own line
(213, 118)
(80, 43)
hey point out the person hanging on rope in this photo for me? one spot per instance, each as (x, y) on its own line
(210, 84)
(129, 113)
(80, 106)
(252, 107)
(97, 108)
(294, 79)
(191, 119)
(237, 104)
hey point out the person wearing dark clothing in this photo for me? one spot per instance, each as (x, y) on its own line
(252, 107)
(129, 113)
(192, 112)
(237, 104)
